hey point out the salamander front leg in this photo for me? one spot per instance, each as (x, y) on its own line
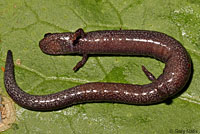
(77, 35)
(81, 63)
(149, 75)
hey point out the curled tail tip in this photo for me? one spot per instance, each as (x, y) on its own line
(9, 54)
(9, 60)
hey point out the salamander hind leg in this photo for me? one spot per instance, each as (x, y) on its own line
(149, 75)
(81, 63)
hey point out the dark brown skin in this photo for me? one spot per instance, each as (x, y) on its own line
(123, 42)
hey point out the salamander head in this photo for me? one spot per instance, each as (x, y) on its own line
(57, 43)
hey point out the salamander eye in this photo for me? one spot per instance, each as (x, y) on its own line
(47, 34)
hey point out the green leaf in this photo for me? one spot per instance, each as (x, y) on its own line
(22, 26)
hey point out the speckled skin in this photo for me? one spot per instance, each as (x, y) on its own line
(123, 42)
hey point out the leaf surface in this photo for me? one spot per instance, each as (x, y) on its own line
(22, 26)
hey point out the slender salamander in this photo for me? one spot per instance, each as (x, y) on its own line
(117, 42)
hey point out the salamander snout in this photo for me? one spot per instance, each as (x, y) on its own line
(47, 34)
(56, 43)
(50, 45)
